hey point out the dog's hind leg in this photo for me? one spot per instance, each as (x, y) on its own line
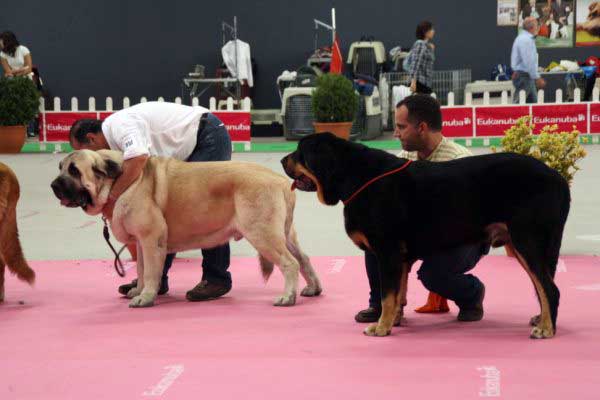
(529, 248)
(272, 247)
(313, 287)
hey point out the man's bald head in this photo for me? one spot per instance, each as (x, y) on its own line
(530, 24)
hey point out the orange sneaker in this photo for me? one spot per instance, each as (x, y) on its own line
(435, 304)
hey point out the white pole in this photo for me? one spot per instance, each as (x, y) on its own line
(56, 104)
(333, 24)
(74, 104)
(109, 104)
(92, 104)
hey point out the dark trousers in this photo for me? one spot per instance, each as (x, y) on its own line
(442, 273)
(524, 82)
(423, 89)
(214, 144)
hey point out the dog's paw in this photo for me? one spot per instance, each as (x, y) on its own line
(377, 330)
(285, 301)
(535, 321)
(133, 292)
(311, 291)
(142, 301)
(541, 333)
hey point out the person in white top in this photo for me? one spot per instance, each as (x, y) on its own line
(15, 58)
(163, 129)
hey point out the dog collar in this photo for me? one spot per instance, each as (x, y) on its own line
(363, 187)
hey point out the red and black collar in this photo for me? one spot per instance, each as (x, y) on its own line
(363, 187)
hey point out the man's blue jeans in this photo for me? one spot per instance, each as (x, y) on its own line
(214, 144)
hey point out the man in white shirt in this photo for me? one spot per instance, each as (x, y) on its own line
(163, 129)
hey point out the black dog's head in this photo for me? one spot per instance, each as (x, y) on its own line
(316, 165)
(82, 175)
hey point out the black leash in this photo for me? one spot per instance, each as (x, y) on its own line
(118, 264)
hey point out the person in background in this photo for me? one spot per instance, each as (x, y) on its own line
(15, 58)
(421, 59)
(16, 61)
(524, 62)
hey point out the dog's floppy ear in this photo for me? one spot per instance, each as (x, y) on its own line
(108, 166)
(319, 155)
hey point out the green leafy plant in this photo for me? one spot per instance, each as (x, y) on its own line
(19, 101)
(558, 150)
(334, 99)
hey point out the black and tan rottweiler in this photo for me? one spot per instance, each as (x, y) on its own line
(403, 211)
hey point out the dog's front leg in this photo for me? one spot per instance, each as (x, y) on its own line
(140, 272)
(390, 272)
(153, 253)
(406, 267)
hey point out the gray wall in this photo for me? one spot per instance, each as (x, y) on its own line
(141, 48)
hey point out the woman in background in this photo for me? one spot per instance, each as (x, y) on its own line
(15, 58)
(421, 59)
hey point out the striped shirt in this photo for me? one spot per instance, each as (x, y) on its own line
(445, 151)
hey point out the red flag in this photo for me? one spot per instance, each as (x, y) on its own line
(337, 62)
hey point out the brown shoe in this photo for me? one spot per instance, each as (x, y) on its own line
(368, 315)
(207, 291)
(473, 313)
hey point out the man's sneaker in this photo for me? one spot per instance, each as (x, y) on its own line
(163, 289)
(474, 312)
(370, 314)
(207, 291)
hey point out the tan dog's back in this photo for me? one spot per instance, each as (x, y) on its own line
(11, 254)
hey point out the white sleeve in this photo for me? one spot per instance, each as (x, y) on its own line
(131, 135)
(24, 51)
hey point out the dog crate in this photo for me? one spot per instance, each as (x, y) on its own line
(367, 58)
(368, 123)
(296, 112)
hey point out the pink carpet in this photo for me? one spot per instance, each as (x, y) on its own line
(75, 338)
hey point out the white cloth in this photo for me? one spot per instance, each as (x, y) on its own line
(400, 92)
(244, 62)
(18, 60)
(154, 128)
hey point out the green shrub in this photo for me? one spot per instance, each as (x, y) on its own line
(334, 99)
(19, 101)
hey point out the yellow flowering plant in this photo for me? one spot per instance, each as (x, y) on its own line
(558, 150)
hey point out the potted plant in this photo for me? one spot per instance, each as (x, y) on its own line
(558, 150)
(334, 104)
(19, 103)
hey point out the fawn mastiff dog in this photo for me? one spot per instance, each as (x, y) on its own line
(175, 206)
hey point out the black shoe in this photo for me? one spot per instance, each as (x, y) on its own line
(474, 312)
(207, 291)
(370, 314)
(163, 289)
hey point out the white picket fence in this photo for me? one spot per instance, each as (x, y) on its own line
(506, 100)
(224, 105)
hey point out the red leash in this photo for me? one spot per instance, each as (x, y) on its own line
(363, 187)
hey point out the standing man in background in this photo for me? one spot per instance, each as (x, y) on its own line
(524, 62)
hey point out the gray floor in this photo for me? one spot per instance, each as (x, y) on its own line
(51, 232)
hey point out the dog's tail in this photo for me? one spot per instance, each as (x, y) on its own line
(10, 247)
(266, 267)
